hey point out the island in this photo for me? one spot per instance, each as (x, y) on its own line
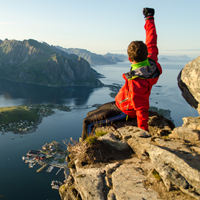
(25, 118)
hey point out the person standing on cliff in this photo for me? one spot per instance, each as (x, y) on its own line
(133, 98)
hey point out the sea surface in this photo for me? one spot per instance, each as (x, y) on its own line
(17, 180)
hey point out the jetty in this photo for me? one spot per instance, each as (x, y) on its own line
(58, 171)
(59, 165)
(41, 168)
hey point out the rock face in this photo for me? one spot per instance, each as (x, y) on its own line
(190, 129)
(188, 82)
(30, 61)
(129, 163)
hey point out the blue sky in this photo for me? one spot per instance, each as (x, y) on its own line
(102, 26)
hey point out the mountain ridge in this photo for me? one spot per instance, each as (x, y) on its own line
(30, 61)
(92, 58)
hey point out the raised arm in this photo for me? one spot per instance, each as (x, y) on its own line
(151, 36)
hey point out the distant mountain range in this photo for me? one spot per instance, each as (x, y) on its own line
(95, 59)
(30, 61)
(179, 58)
(112, 58)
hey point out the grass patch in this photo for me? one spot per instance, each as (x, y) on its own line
(50, 159)
(61, 160)
(17, 113)
(100, 133)
(91, 139)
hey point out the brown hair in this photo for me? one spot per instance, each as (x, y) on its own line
(137, 51)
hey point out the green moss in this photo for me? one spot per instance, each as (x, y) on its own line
(91, 139)
(100, 133)
(156, 174)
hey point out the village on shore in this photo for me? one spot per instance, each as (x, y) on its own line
(25, 126)
(51, 156)
(44, 110)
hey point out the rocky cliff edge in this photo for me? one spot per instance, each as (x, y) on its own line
(129, 163)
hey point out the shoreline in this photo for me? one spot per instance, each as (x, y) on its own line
(25, 126)
(45, 110)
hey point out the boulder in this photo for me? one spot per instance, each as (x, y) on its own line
(111, 140)
(89, 183)
(188, 82)
(190, 130)
(133, 187)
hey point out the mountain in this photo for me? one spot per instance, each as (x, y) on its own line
(92, 58)
(178, 58)
(117, 57)
(30, 61)
(112, 58)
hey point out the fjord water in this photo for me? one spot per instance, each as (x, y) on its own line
(17, 181)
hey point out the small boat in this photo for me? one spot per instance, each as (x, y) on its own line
(30, 165)
(12, 138)
(56, 183)
(56, 187)
(50, 169)
(27, 160)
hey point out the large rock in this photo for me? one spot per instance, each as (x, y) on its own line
(113, 142)
(89, 183)
(188, 82)
(133, 184)
(190, 130)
